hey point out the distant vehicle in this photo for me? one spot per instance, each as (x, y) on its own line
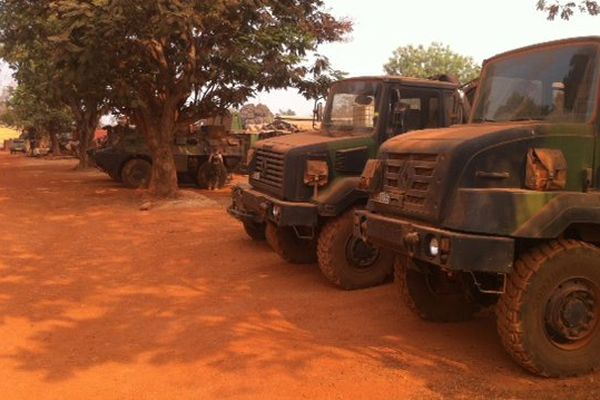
(18, 146)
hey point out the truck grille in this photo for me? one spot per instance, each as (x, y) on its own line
(410, 181)
(269, 168)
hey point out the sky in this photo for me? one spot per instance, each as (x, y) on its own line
(476, 28)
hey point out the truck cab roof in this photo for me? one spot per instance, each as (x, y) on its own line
(561, 42)
(404, 80)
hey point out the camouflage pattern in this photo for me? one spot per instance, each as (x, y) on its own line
(476, 183)
(278, 166)
(505, 209)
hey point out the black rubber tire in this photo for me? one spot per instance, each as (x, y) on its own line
(414, 285)
(255, 230)
(334, 239)
(521, 309)
(136, 173)
(285, 242)
(203, 176)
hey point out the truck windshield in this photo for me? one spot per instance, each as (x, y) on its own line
(351, 108)
(557, 84)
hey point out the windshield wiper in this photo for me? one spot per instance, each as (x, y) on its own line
(484, 120)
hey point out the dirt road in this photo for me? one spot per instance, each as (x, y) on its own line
(101, 300)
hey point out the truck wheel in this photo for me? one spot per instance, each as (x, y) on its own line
(349, 262)
(255, 230)
(549, 316)
(203, 175)
(136, 173)
(289, 246)
(433, 295)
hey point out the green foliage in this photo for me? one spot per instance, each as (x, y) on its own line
(567, 9)
(174, 62)
(205, 55)
(50, 72)
(437, 59)
(28, 107)
(166, 63)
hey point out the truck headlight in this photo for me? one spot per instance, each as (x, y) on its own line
(434, 246)
(276, 212)
(316, 173)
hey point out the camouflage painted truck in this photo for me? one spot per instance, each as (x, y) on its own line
(303, 188)
(505, 209)
(126, 157)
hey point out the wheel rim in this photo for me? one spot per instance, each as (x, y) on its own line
(360, 254)
(571, 313)
(139, 175)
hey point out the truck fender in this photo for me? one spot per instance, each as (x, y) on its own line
(342, 194)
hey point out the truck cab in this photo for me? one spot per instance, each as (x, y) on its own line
(504, 210)
(303, 188)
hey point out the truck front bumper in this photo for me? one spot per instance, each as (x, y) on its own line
(455, 251)
(249, 205)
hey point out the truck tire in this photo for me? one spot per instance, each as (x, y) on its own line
(430, 294)
(255, 230)
(292, 249)
(136, 173)
(347, 261)
(549, 316)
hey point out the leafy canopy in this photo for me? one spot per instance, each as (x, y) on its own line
(565, 10)
(437, 59)
(205, 56)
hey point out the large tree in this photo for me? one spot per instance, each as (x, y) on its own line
(565, 10)
(179, 61)
(30, 107)
(29, 35)
(425, 62)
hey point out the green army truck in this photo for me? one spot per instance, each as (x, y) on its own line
(303, 188)
(506, 209)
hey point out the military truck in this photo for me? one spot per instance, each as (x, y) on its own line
(303, 188)
(126, 158)
(505, 209)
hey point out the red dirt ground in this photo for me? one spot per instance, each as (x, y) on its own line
(101, 300)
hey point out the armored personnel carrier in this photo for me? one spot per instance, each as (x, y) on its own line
(125, 157)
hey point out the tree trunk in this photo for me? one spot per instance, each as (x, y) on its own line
(163, 183)
(159, 135)
(87, 129)
(55, 149)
